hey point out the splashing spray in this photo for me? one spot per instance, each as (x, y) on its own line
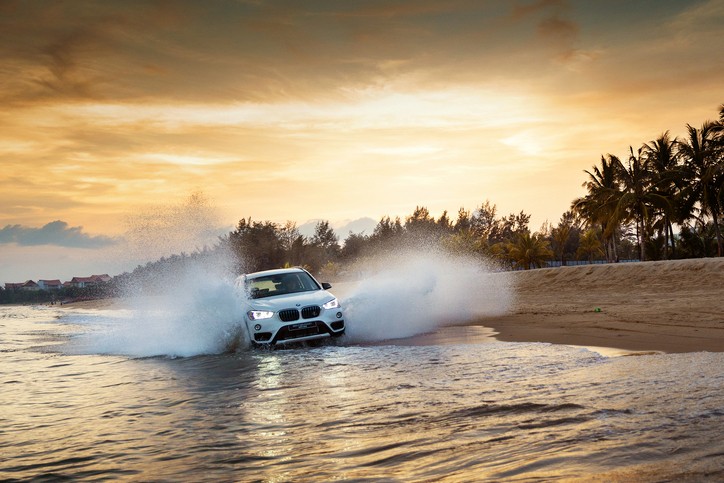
(416, 290)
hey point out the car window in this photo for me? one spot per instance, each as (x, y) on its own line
(280, 284)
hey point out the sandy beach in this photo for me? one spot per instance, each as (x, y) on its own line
(667, 306)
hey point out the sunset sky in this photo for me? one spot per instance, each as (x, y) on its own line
(116, 113)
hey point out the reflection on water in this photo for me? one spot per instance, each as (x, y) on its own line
(493, 411)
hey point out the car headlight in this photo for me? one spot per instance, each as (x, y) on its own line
(332, 304)
(260, 314)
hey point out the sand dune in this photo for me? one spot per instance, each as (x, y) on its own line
(672, 306)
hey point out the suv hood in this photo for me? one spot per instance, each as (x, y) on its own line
(279, 302)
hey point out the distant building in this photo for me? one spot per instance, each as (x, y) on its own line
(50, 284)
(30, 286)
(82, 282)
(53, 285)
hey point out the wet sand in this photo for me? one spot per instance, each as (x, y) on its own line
(110, 303)
(669, 306)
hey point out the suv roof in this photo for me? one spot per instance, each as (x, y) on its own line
(275, 271)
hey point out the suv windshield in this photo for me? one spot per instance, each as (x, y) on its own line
(280, 284)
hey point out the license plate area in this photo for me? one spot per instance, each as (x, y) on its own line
(308, 327)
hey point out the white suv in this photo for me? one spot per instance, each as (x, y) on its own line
(289, 305)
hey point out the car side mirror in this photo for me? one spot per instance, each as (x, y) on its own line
(326, 286)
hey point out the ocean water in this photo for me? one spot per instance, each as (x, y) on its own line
(146, 394)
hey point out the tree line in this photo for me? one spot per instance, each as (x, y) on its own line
(262, 245)
(481, 232)
(664, 183)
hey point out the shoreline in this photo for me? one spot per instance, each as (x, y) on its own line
(667, 306)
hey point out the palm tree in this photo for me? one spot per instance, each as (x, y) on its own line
(559, 237)
(637, 199)
(563, 235)
(599, 205)
(529, 251)
(704, 166)
(589, 246)
(663, 159)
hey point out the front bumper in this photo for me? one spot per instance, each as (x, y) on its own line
(276, 332)
(308, 331)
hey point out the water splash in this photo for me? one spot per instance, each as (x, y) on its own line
(156, 231)
(402, 293)
(416, 290)
(198, 312)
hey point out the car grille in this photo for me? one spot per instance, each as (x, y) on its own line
(310, 312)
(289, 315)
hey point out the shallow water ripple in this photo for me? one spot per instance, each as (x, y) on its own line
(486, 412)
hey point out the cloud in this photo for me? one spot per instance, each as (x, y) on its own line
(266, 51)
(553, 25)
(64, 63)
(558, 30)
(60, 50)
(521, 11)
(54, 233)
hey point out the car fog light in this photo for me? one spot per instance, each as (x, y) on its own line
(257, 327)
(339, 315)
